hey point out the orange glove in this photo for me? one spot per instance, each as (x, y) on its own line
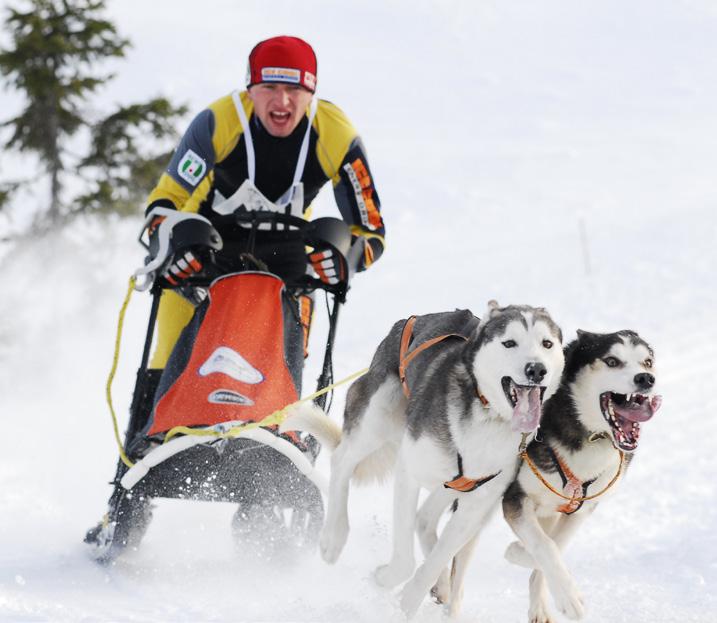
(329, 266)
(182, 267)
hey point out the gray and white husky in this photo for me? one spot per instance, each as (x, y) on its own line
(457, 434)
(588, 433)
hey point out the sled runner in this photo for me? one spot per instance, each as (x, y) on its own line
(239, 360)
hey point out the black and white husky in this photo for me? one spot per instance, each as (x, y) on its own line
(588, 434)
(470, 403)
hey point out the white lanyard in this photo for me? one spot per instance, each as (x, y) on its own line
(250, 154)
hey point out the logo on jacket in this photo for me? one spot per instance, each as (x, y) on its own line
(191, 167)
(225, 360)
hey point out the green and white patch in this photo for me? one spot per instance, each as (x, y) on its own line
(192, 167)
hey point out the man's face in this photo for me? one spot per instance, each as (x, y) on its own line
(280, 107)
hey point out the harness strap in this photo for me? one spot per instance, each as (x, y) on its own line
(405, 358)
(301, 162)
(463, 483)
(460, 482)
(250, 158)
(250, 154)
(572, 485)
(572, 499)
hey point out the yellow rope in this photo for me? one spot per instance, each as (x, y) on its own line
(115, 360)
(536, 471)
(270, 420)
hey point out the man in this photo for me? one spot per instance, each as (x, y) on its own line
(271, 148)
(274, 143)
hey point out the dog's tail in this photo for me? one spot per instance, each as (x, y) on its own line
(310, 418)
(377, 466)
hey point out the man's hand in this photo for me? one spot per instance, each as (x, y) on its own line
(329, 265)
(182, 267)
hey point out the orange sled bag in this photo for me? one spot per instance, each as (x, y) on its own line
(240, 358)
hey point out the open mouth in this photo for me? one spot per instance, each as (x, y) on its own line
(279, 117)
(527, 403)
(625, 413)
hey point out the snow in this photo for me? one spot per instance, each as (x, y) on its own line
(542, 152)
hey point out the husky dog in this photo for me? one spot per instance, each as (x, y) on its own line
(588, 434)
(469, 402)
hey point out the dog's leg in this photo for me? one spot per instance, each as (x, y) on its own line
(547, 557)
(516, 554)
(405, 499)
(350, 452)
(375, 424)
(458, 575)
(538, 611)
(466, 522)
(427, 527)
(562, 530)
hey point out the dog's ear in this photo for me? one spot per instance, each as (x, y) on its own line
(493, 309)
(585, 336)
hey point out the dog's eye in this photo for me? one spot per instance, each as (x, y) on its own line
(510, 343)
(611, 362)
(547, 344)
(647, 363)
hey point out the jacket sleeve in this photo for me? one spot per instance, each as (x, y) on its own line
(358, 201)
(187, 179)
(343, 159)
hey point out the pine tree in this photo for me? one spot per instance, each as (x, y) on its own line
(56, 46)
(124, 173)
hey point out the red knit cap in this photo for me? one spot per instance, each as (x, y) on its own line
(283, 59)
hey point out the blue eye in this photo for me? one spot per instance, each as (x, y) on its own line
(510, 343)
(612, 362)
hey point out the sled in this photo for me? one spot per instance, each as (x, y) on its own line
(269, 477)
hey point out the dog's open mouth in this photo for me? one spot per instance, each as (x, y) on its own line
(625, 413)
(527, 402)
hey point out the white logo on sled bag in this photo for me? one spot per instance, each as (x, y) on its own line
(191, 167)
(227, 361)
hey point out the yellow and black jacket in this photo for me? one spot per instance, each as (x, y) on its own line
(217, 144)
(212, 157)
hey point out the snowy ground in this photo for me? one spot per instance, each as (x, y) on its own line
(553, 153)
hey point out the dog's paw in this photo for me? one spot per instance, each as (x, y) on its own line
(539, 616)
(411, 598)
(441, 591)
(332, 541)
(392, 574)
(516, 554)
(456, 604)
(568, 600)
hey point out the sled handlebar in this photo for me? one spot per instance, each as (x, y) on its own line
(321, 233)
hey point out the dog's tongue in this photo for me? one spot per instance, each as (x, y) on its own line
(527, 410)
(639, 412)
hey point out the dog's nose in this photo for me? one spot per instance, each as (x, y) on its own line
(535, 371)
(644, 380)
